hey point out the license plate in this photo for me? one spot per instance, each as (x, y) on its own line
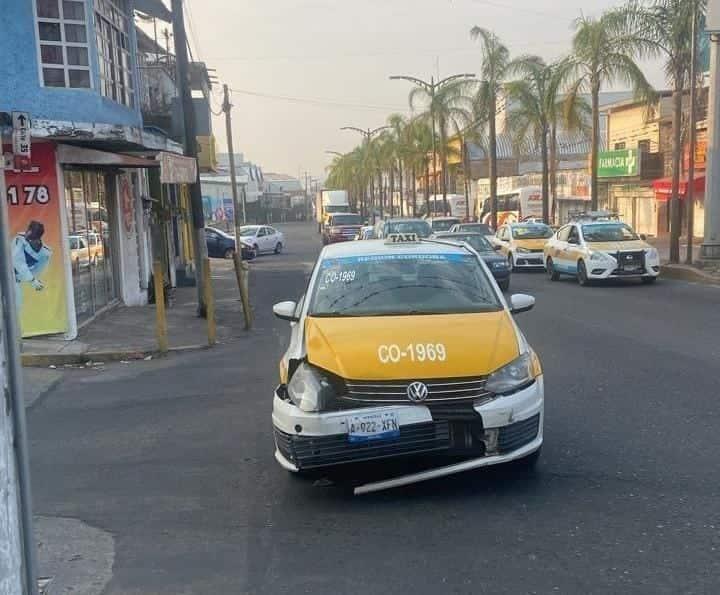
(373, 426)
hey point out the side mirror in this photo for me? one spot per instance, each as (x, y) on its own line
(643, 237)
(286, 311)
(496, 247)
(521, 302)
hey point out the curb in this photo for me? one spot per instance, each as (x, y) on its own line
(44, 360)
(687, 273)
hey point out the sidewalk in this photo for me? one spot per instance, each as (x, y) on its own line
(684, 272)
(129, 333)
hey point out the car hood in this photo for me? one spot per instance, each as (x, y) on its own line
(619, 246)
(475, 344)
(537, 244)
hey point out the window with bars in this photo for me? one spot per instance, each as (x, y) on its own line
(63, 40)
(112, 32)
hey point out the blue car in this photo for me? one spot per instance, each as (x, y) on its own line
(497, 263)
(222, 245)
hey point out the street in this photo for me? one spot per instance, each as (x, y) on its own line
(174, 458)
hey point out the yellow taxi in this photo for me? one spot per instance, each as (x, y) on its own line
(597, 250)
(523, 243)
(405, 347)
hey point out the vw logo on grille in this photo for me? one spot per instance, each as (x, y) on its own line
(417, 392)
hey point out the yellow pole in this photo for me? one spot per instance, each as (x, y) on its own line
(209, 304)
(160, 314)
(242, 272)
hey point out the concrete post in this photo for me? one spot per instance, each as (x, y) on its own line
(710, 249)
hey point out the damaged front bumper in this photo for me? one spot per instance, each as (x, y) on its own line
(501, 430)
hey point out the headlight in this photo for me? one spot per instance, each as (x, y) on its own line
(523, 251)
(309, 389)
(516, 375)
(651, 254)
(599, 256)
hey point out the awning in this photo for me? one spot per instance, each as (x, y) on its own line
(71, 155)
(154, 8)
(663, 187)
(176, 169)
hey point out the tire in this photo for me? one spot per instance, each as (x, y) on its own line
(229, 253)
(582, 277)
(648, 280)
(529, 462)
(278, 248)
(511, 262)
(257, 249)
(550, 268)
(504, 285)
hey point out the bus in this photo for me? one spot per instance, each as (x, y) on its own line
(518, 205)
(457, 204)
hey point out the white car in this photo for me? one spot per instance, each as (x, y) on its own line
(595, 250)
(263, 238)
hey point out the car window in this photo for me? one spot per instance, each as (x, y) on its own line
(535, 231)
(262, 232)
(419, 227)
(346, 219)
(608, 232)
(248, 230)
(74, 243)
(443, 224)
(563, 233)
(404, 284)
(271, 231)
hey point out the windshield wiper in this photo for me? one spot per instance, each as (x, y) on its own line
(333, 314)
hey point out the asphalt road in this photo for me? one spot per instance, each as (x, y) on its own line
(174, 459)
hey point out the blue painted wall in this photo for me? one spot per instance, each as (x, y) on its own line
(20, 86)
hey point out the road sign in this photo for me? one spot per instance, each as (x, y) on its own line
(618, 164)
(21, 135)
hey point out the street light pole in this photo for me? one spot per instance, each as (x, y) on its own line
(431, 88)
(710, 250)
(690, 194)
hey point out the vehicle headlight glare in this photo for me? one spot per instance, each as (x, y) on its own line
(309, 389)
(652, 254)
(523, 251)
(512, 377)
(599, 256)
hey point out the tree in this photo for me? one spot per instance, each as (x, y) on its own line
(419, 154)
(666, 29)
(495, 62)
(400, 133)
(604, 50)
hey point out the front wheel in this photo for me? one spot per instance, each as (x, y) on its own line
(229, 253)
(649, 280)
(278, 248)
(582, 277)
(511, 262)
(550, 268)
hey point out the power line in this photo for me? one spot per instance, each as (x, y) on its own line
(318, 101)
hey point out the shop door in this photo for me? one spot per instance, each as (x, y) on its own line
(89, 229)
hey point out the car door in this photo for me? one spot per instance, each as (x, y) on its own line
(262, 239)
(503, 239)
(273, 237)
(573, 250)
(558, 249)
(211, 239)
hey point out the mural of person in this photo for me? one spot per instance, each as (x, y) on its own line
(30, 258)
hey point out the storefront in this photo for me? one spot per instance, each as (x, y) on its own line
(662, 189)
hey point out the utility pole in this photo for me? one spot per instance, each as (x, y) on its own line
(17, 554)
(226, 107)
(690, 193)
(184, 88)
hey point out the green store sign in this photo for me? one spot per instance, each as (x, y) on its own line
(618, 164)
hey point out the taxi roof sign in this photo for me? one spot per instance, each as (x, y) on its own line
(402, 238)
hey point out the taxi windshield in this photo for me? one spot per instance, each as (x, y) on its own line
(531, 232)
(608, 232)
(420, 228)
(401, 285)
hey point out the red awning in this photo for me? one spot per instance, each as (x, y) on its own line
(663, 187)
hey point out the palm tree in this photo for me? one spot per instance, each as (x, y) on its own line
(604, 50)
(447, 108)
(666, 29)
(400, 133)
(495, 62)
(419, 155)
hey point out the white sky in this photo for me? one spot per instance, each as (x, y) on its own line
(342, 52)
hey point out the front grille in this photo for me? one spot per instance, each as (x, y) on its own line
(518, 434)
(630, 262)
(439, 391)
(308, 452)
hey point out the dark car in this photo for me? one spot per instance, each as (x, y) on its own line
(497, 263)
(419, 227)
(222, 245)
(342, 227)
(482, 228)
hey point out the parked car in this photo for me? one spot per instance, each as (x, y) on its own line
(263, 238)
(497, 263)
(522, 243)
(420, 227)
(443, 223)
(341, 227)
(222, 245)
(367, 232)
(482, 228)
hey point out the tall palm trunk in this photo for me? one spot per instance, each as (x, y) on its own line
(400, 174)
(492, 161)
(414, 192)
(427, 187)
(675, 217)
(372, 198)
(444, 166)
(545, 175)
(595, 148)
(392, 191)
(553, 170)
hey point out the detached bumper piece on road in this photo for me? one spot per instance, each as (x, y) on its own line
(440, 437)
